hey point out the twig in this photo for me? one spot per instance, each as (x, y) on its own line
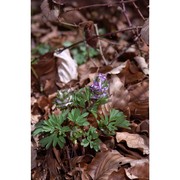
(100, 46)
(102, 35)
(123, 10)
(125, 49)
(98, 5)
(138, 10)
(34, 72)
(68, 157)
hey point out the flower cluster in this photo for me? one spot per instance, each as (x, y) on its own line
(99, 88)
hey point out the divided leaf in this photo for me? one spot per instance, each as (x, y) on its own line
(78, 118)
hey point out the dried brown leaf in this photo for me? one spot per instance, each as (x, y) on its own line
(143, 127)
(131, 73)
(104, 163)
(139, 109)
(139, 169)
(133, 141)
(46, 73)
(139, 91)
(67, 67)
(90, 33)
(81, 160)
(49, 11)
(33, 157)
(118, 69)
(119, 94)
(118, 175)
(145, 31)
(142, 64)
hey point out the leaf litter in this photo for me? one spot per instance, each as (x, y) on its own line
(124, 155)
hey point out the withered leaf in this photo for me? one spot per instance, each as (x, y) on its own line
(104, 163)
(67, 67)
(145, 31)
(118, 175)
(118, 69)
(119, 94)
(139, 169)
(49, 11)
(142, 64)
(133, 141)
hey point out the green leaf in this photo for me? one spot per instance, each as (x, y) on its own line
(85, 142)
(47, 141)
(55, 140)
(67, 43)
(37, 131)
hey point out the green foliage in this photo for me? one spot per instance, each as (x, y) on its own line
(82, 97)
(109, 124)
(54, 132)
(41, 49)
(78, 118)
(72, 124)
(91, 139)
(81, 52)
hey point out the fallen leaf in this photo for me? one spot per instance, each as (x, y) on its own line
(139, 169)
(119, 94)
(142, 64)
(49, 11)
(133, 141)
(139, 91)
(118, 175)
(145, 31)
(139, 109)
(33, 157)
(46, 72)
(118, 69)
(104, 163)
(67, 67)
(131, 73)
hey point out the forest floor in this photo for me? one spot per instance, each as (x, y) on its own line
(113, 41)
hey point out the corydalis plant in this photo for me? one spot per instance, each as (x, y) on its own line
(99, 88)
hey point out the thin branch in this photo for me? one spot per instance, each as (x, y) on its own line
(138, 10)
(102, 35)
(99, 5)
(100, 46)
(127, 47)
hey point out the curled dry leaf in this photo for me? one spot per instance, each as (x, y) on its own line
(67, 67)
(88, 71)
(139, 169)
(139, 109)
(119, 95)
(143, 127)
(131, 73)
(81, 160)
(104, 163)
(118, 175)
(45, 71)
(145, 31)
(142, 64)
(118, 69)
(139, 91)
(49, 11)
(133, 141)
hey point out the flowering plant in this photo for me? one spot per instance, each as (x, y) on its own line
(99, 88)
(73, 123)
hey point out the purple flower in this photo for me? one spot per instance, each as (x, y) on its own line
(99, 88)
